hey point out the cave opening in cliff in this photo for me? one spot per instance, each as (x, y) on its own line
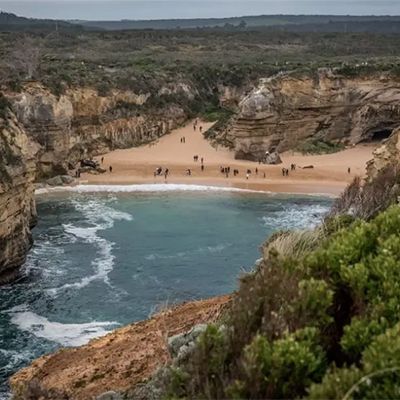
(378, 135)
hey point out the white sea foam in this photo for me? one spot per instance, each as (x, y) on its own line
(208, 249)
(100, 217)
(64, 334)
(144, 188)
(298, 217)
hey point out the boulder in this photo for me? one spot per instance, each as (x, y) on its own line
(56, 181)
(180, 345)
(60, 180)
(67, 180)
(272, 158)
(109, 396)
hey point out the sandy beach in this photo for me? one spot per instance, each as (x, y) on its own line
(137, 165)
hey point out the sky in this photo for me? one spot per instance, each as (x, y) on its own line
(167, 9)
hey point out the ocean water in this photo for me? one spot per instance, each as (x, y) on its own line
(104, 259)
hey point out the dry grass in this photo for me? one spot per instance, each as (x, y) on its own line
(366, 200)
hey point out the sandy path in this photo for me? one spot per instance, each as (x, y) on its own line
(137, 165)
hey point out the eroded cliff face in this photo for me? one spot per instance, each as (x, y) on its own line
(17, 205)
(285, 110)
(386, 154)
(82, 123)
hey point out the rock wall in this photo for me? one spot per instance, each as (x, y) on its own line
(286, 110)
(17, 205)
(82, 123)
(386, 154)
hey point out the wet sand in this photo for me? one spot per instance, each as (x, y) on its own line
(137, 165)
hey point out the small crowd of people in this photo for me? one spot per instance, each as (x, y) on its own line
(183, 139)
(195, 124)
(159, 172)
(196, 159)
(285, 172)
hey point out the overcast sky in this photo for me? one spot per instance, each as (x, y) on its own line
(159, 9)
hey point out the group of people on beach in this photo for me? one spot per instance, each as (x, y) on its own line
(183, 139)
(159, 172)
(195, 124)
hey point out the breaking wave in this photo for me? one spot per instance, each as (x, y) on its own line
(144, 188)
(97, 217)
(63, 334)
(296, 217)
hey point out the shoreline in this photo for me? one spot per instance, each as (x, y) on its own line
(169, 187)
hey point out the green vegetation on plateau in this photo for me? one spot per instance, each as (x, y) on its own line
(320, 316)
(141, 60)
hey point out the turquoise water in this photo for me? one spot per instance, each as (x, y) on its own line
(104, 260)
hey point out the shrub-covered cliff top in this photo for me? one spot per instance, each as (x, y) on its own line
(141, 60)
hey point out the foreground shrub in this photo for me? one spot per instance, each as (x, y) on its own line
(377, 378)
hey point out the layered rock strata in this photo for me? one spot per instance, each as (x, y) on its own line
(286, 110)
(17, 205)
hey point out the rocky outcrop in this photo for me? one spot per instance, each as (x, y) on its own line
(17, 205)
(286, 110)
(117, 363)
(387, 154)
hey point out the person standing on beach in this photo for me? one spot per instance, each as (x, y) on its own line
(102, 160)
(202, 167)
(110, 168)
(247, 176)
(202, 160)
(349, 170)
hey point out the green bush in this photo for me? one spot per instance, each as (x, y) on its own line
(376, 378)
(314, 146)
(280, 369)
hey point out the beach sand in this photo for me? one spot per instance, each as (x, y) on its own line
(137, 165)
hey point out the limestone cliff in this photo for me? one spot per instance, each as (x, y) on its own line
(286, 110)
(82, 123)
(386, 154)
(17, 205)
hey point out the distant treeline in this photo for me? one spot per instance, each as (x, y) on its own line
(281, 23)
(12, 22)
(292, 23)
